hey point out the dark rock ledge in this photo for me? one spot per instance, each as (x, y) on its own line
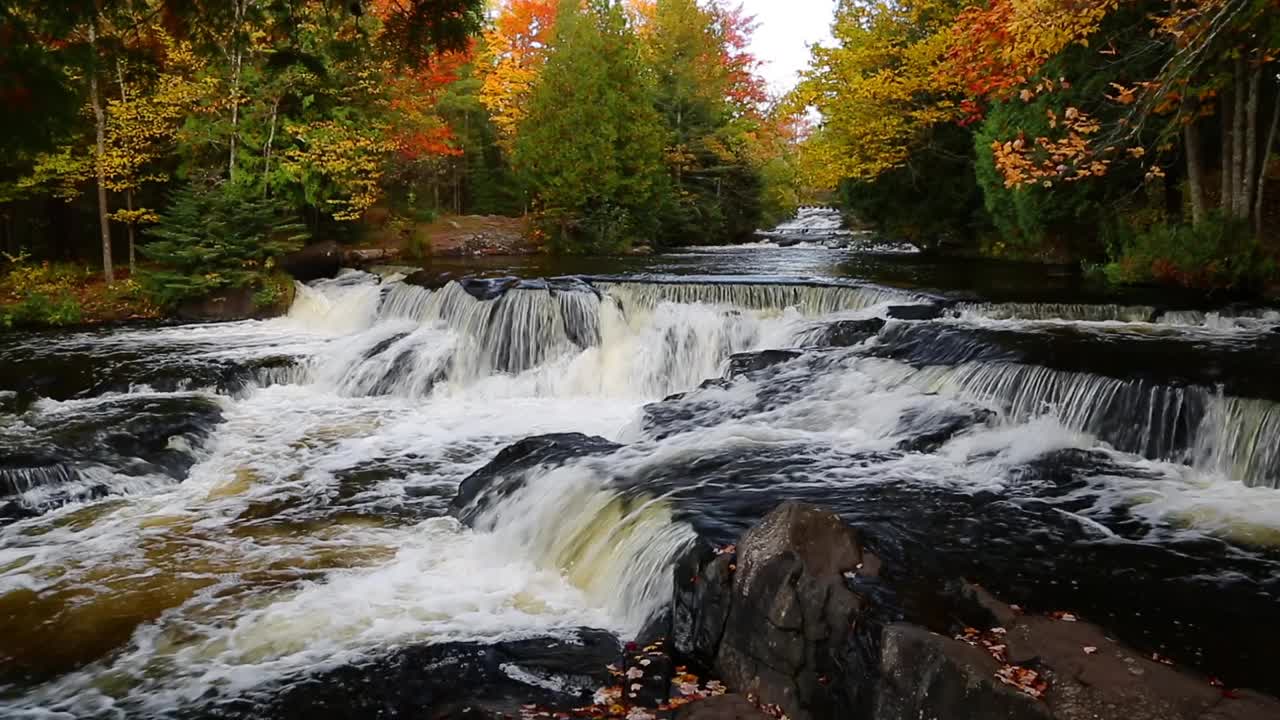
(797, 616)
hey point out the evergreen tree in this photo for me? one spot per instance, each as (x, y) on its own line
(216, 235)
(716, 190)
(590, 149)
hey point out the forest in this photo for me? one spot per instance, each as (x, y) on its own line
(1137, 138)
(199, 142)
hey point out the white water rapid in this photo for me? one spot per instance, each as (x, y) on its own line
(307, 527)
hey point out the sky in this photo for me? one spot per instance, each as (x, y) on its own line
(786, 28)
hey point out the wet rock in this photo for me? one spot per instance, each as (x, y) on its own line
(1089, 675)
(800, 616)
(914, 312)
(723, 707)
(569, 284)
(506, 472)
(313, 262)
(789, 619)
(230, 305)
(846, 333)
(488, 288)
(647, 671)
(431, 280)
(930, 428)
(442, 681)
(702, 596)
(362, 257)
(928, 676)
(743, 363)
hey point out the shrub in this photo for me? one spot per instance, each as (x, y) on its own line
(1217, 253)
(42, 293)
(274, 291)
(216, 236)
(39, 309)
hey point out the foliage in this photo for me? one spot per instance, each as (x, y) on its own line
(515, 50)
(38, 294)
(274, 291)
(215, 236)
(708, 97)
(878, 89)
(1217, 253)
(932, 200)
(41, 310)
(591, 145)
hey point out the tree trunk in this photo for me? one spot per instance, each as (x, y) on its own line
(271, 138)
(1238, 201)
(133, 257)
(235, 115)
(1224, 197)
(100, 151)
(1251, 142)
(1262, 173)
(237, 61)
(1191, 138)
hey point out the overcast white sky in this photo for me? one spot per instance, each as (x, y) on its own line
(786, 28)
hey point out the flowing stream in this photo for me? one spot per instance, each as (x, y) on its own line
(197, 514)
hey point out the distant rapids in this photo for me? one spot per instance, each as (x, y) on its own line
(194, 516)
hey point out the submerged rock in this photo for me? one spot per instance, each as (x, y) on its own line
(845, 333)
(506, 472)
(748, 362)
(448, 680)
(914, 312)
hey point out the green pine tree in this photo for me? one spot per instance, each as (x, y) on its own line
(590, 149)
(216, 236)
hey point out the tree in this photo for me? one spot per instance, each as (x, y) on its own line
(590, 148)
(878, 89)
(514, 52)
(216, 235)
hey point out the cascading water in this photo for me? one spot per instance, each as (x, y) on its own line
(297, 520)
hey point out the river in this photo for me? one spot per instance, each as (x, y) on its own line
(196, 516)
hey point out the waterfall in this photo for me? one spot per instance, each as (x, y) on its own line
(1057, 311)
(1240, 438)
(1191, 425)
(615, 547)
(807, 299)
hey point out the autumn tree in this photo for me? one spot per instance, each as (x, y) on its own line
(513, 53)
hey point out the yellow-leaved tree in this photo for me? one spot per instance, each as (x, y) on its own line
(877, 90)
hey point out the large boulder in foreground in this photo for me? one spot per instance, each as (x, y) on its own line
(798, 616)
(776, 619)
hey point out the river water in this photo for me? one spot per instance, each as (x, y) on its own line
(195, 515)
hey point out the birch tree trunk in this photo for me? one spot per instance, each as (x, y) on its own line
(266, 161)
(237, 61)
(100, 151)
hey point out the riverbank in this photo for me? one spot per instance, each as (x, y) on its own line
(70, 297)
